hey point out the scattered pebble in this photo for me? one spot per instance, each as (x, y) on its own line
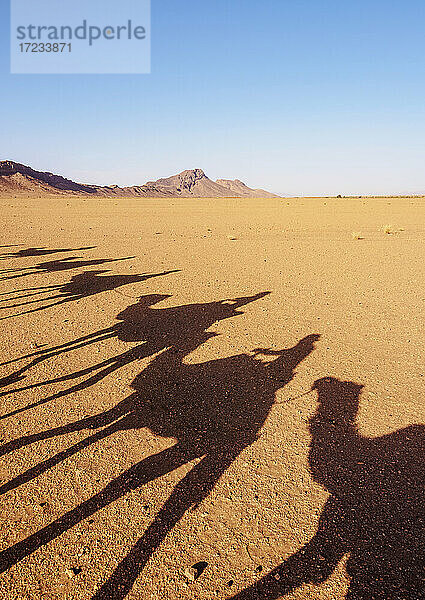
(196, 570)
(73, 571)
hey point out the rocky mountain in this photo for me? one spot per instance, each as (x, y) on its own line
(18, 179)
(191, 183)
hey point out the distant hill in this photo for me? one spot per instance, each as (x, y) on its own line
(190, 183)
(18, 179)
(238, 188)
(15, 178)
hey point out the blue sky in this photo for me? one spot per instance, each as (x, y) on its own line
(301, 97)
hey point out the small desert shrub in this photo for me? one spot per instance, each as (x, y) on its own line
(388, 229)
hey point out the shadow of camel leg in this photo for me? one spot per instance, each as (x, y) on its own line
(46, 353)
(30, 302)
(117, 363)
(148, 469)
(94, 422)
(191, 490)
(23, 296)
(44, 466)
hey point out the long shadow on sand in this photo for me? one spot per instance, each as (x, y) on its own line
(375, 512)
(61, 264)
(25, 252)
(181, 327)
(156, 329)
(83, 285)
(214, 410)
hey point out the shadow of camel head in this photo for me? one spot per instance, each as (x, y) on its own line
(331, 386)
(338, 401)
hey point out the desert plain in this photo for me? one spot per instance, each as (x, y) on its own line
(182, 414)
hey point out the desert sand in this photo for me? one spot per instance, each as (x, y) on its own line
(212, 398)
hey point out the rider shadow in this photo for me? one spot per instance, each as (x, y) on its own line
(181, 326)
(25, 252)
(53, 266)
(82, 285)
(214, 410)
(376, 509)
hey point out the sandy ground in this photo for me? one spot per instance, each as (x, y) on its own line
(104, 370)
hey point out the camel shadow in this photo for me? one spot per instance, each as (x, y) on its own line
(82, 285)
(375, 512)
(180, 329)
(52, 266)
(214, 410)
(181, 326)
(25, 252)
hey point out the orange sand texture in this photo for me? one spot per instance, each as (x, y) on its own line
(182, 410)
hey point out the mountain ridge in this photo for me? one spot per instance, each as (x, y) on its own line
(16, 178)
(236, 186)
